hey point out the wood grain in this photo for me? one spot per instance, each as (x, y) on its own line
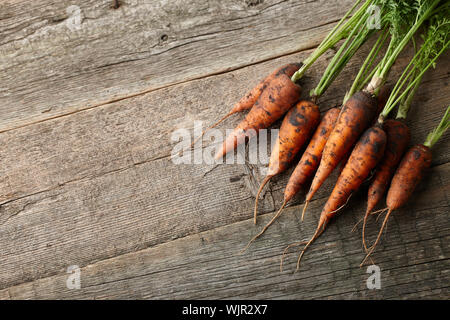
(52, 65)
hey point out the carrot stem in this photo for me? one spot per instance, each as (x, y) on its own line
(357, 83)
(337, 33)
(434, 135)
(424, 16)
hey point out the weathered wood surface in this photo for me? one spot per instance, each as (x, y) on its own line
(207, 265)
(97, 189)
(55, 60)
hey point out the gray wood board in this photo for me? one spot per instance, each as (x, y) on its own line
(57, 57)
(413, 257)
(86, 179)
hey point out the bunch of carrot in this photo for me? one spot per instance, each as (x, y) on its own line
(358, 134)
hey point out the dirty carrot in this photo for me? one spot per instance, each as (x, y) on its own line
(269, 107)
(382, 97)
(249, 99)
(357, 36)
(296, 128)
(274, 101)
(366, 154)
(436, 42)
(360, 109)
(409, 174)
(398, 136)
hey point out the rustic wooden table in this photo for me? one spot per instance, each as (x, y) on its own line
(89, 97)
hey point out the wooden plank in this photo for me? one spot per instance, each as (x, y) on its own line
(98, 183)
(413, 257)
(57, 57)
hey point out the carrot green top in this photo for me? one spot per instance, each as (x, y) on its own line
(404, 19)
(339, 32)
(434, 135)
(357, 36)
(436, 39)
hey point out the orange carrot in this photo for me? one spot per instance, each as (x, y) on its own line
(406, 178)
(382, 98)
(297, 126)
(279, 96)
(252, 96)
(409, 173)
(312, 155)
(307, 164)
(398, 136)
(364, 157)
(356, 115)
(249, 99)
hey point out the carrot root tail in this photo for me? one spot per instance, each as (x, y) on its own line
(319, 231)
(356, 225)
(364, 232)
(299, 243)
(304, 209)
(263, 183)
(210, 127)
(266, 226)
(372, 249)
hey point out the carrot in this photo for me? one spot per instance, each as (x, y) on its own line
(356, 115)
(271, 105)
(435, 43)
(279, 96)
(249, 99)
(312, 155)
(365, 156)
(359, 111)
(382, 97)
(398, 136)
(296, 128)
(405, 180)
(409, 174)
